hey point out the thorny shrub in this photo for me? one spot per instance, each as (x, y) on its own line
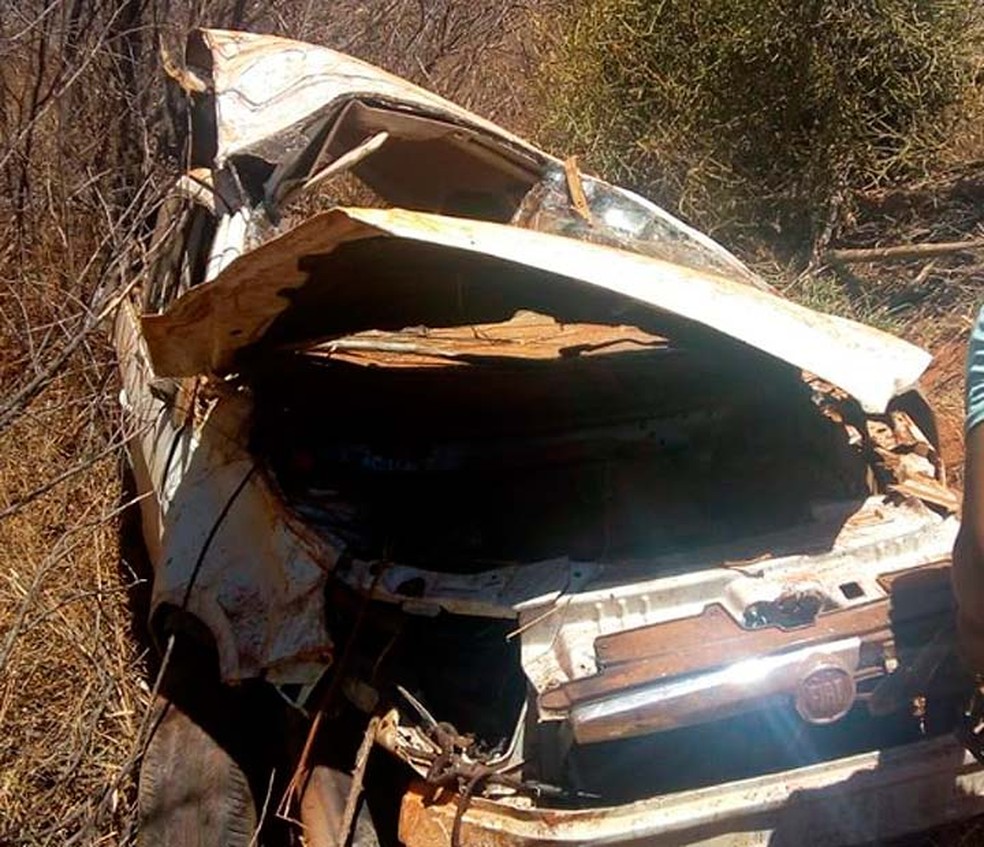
(759, 117)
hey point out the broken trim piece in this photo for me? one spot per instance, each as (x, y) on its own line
(347, 160)
(207, 327)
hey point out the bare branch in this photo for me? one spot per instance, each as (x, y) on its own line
(900, 253)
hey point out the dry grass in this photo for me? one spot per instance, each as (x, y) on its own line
(81, 137)
(72, 688)
(71, 673)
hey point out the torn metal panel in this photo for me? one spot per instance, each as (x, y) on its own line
(208, 326)
(202, 332)
(929, 491)
(233, 557)
(494, 593)
(224, 547)
(306, 111)
(565, 593)
(907, 462)
(526, 336)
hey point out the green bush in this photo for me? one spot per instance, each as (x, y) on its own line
(759, 112)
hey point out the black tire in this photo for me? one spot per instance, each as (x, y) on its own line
(210, 757)
(191, 791)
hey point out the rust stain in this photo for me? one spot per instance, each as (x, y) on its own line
(427, 820)
(576, 188)
(527, 335)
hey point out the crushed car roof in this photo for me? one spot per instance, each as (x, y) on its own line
(264, 84)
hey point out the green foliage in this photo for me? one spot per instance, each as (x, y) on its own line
(759, 110)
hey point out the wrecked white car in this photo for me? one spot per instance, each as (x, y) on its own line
(558, 524)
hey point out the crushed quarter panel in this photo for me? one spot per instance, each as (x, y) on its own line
(265, 84)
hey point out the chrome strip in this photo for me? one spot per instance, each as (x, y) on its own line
(705, 697)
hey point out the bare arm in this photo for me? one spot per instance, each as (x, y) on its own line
(968, 553)
(973, 500)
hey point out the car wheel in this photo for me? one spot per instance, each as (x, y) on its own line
(191, 790)
(211, 755)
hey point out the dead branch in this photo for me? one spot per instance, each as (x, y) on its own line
(899, 253)
(86, 464)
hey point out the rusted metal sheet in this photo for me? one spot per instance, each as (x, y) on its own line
(929, 491)
(651, 678)
(710, 640)
(715, 638)
(525, 336)
(559, 635)
(908, 463)
(855, 800)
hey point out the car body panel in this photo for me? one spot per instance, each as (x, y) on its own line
(264, 85)
(280, 101)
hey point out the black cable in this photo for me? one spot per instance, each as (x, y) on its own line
(211, 534)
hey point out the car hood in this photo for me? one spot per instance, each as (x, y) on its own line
(207, 328)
